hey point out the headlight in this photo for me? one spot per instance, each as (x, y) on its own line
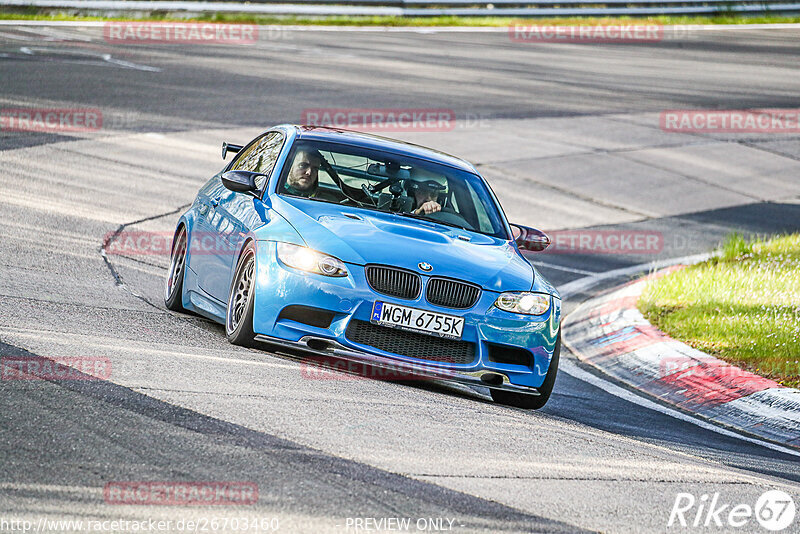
(522, 302)
(311, 261)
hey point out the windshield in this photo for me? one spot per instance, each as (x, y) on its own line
(371, 179)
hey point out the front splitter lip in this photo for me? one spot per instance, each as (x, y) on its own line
(328, 347)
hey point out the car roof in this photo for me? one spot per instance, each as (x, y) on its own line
(364, 140)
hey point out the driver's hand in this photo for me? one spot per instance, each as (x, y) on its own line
(430, 206)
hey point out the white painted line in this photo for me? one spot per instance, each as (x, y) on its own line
(574, 371)
(38, 39)
(411, 29)
(583, 284)
(562, 268)
(712, 27)
(55, 23)
(505, 29)
(127, 346)
(128, 65)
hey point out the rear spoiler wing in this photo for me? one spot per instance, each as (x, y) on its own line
(227, 147)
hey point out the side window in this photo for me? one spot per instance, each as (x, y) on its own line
(260, 156)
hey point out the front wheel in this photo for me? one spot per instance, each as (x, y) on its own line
(239, 316)
(531, 402)
(173, 291)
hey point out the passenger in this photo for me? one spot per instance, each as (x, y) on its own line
(303, 177)
(425, 187)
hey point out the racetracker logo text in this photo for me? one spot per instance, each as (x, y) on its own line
(731, 121)
(179, 33)
(605, 242)
(50, 120)
(181, 493)
(533, 33)
(70, 368)
(142, 243)
(382, 120)
(323, 368)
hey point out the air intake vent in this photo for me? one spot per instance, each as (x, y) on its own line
(394, 282)
(512, 355)
(410, 344)
(308, 315)
(452, 293)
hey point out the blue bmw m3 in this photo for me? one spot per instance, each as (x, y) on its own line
(369, 250)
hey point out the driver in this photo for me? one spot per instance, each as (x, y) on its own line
(304, 175)
(425, 187)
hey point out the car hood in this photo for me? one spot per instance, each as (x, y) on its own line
(360, 236)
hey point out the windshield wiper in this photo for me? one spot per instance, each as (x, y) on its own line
(431, 219)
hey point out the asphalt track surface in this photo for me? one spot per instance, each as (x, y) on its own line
(568, 136)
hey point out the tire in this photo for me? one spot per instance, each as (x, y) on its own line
(532, 402)
(239, 315)
(173, 289)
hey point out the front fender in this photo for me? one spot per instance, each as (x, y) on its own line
(277, 228)
(543, 285)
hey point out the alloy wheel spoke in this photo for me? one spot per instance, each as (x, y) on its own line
(240, 295)
(177, 264)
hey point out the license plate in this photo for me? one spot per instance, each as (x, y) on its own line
(405, 318)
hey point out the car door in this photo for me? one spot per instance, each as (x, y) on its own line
(236, 214)
(204, 237)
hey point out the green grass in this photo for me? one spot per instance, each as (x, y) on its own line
(726, 18)
(742, 306)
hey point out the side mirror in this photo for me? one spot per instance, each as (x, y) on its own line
(530, 238)
(241, 181)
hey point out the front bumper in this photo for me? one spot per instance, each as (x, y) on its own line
(351, 298)
(329, 348)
